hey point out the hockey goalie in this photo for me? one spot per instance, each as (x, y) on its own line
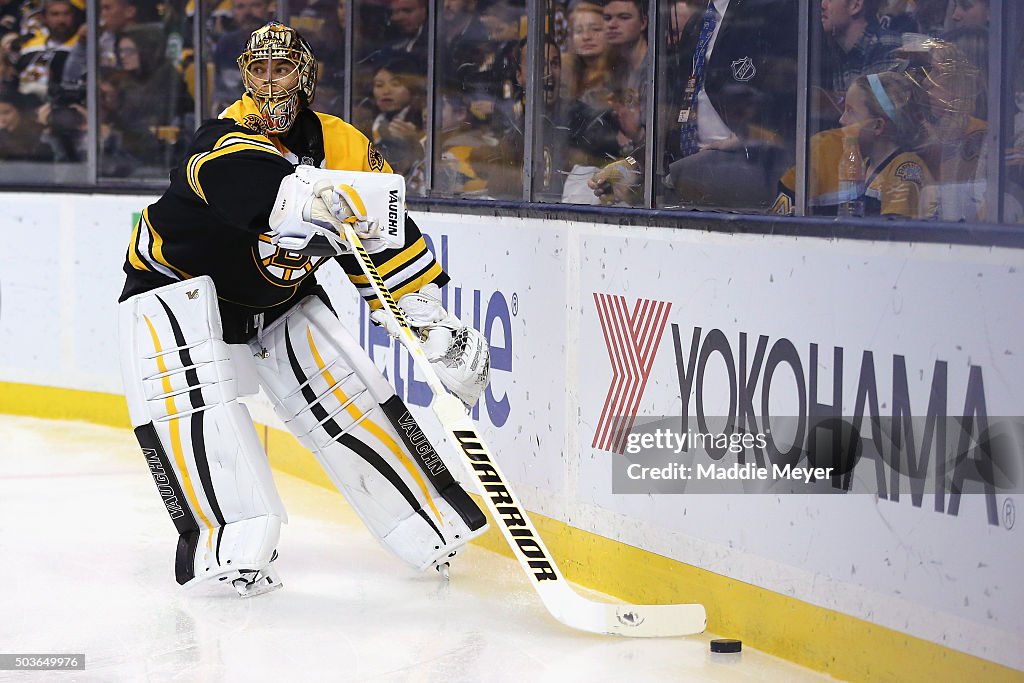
(221, 299)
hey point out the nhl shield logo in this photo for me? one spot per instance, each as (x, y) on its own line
(743, 69)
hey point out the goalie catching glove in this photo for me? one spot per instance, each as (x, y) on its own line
(308, 215)
(458, 353)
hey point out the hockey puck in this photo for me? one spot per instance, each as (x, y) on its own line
(726, 645)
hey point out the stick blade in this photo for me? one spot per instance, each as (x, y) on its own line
(655, 621)
(633, 621)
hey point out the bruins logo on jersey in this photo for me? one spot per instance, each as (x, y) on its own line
(255, 122)
(375, 158)
(911, 172)
(280, 267)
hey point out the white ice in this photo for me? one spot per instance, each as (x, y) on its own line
(86, 567)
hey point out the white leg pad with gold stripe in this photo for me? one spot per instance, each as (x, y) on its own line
(198, 440)
(329, 394)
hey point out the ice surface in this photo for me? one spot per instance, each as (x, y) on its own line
(86, 567)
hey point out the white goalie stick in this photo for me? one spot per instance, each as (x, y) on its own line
(564, 603)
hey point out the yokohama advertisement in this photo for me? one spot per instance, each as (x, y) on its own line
(753, 336)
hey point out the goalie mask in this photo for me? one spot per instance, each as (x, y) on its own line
(279, 73)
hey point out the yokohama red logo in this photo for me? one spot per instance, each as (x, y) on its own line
(632, 339)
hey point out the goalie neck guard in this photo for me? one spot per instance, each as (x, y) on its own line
(279, 73)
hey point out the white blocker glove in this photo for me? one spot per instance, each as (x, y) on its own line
(458, 353)
(307, 218)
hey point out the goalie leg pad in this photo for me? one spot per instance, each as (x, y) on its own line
(198, 440)
(329, 395)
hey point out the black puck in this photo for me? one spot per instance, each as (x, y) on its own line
(726, 645)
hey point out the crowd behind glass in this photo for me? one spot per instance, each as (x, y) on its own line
(898, 97)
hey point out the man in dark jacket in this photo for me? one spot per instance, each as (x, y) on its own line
(729, 132)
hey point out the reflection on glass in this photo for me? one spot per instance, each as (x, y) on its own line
(1013, 112)
(480, 101)
(146, 110)
(898, 111)
(607, 121)
(594, 136)
(322, 24)
(728, 118)
(389, 82)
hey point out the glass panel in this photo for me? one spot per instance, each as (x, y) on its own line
(595, 116)
(551, 163)
(897, 112)
(145, 106)
(322, 24)
(727, 116)
(390, 79)
(477, 88)
(1013, 114)
(43, 117)
(228, 27)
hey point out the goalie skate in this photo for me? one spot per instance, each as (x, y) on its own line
(252, 582)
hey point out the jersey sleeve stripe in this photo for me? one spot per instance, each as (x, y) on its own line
(157, 251)
(134, 257)
(413, 251)
(416, 282)
(195, 164)
(396, 280)
(252, 138)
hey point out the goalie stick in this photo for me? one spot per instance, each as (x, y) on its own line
(564, 603)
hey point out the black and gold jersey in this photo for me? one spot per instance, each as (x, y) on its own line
(893, 187)
(213, 218)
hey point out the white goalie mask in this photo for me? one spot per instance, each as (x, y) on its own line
(279, 73)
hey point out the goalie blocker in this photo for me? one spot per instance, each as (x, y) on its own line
(182, 383)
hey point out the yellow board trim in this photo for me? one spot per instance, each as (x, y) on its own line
(175, 427)
(845, 647)
(373, 428)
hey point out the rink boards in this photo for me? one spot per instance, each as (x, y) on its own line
(588, 323)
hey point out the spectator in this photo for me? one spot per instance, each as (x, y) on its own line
(626, 33)
(732, 126)
(399, 94)
(882, 129)
(465, 45)
(884, 113)
(930, 16)
(462, 142)
(115, 16)
(19, 134)
(505, 176)
(495, 83)
(43, 56)
(857, 42)
(409, 17)
(10, 17)
(247, 15)
(155, 104)
(679, 16)
(322, 24)
(897, 16)
(587, 76)
(951, 82)
(970, 13)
